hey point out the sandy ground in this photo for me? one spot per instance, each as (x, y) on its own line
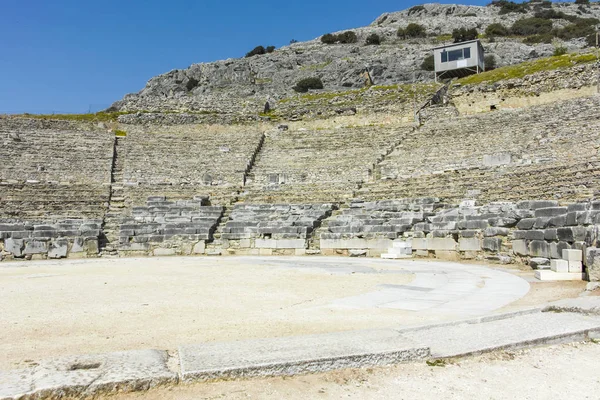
(557, 372)
(51, 309)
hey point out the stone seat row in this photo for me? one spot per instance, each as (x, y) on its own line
(274, 221)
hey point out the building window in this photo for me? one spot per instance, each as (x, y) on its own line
(455, 55)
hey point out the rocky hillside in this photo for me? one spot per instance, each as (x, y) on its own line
(242, 86)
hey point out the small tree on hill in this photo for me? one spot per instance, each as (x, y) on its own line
(258, 50)
(496, 29)
(373, 39)
(412, 31)
(428, 63)
(490, 62)
(304, 85)
(464, 34)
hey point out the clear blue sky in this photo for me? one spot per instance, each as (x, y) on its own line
(68, 55)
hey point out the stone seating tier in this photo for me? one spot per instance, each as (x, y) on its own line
(53, 201)
(57, 156)
(165, 225)
(189, 158)
(274, 221)
(343, 155)
(557, 133)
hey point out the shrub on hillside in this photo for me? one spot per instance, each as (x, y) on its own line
(328, 38)
(490, 62)
(304, 85)
(582, 1)
(270, 49)
(258, 50)
(428, 63)
(560, 50)
(531, 26)
(373, 39)
(507, 7)
(344, 37)
(553, 14)
(347, 37)
(581, 28)
(535, 39)
(191, 84)
(412, 31)
(464, 34)
(496, 29)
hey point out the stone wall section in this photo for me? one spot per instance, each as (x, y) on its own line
(532, 232)
(73, 238)
(267, 229)
(165, 227)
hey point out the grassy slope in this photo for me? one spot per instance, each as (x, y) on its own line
(528, 68)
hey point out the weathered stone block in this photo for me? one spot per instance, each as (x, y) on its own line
(550, 234)
(441, 244)
(561, 266)
(592, 262)
(557, 248)
(420, 243)
(15, 246)
(520, 247)
(558, 221)
(539, 248)
(90, 246)
(526, 223)
(572, 255)
(36, 247)
(535, 204)
(163, 252)
(550, 212)
(492, 244)
(469, 244)
(571, 234)
(575, 266)
(199, 247)
(495, 231)
(541, 222)
(58, 249)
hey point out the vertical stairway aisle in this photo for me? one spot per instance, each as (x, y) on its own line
(109, 243)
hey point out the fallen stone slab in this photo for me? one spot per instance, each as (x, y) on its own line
(526, 330)
(83, 376)
(296, 355)
(582, 305)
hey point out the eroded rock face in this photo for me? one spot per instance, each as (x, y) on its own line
(243, 85)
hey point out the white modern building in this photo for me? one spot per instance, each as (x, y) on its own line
(458, 59)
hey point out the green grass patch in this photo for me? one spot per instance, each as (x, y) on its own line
(315, 67)
(120, 133)
(528, 68)
(97, 117)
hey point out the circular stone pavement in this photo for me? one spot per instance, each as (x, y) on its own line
(51, 308)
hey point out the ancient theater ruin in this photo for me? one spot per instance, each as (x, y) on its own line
(188, 233)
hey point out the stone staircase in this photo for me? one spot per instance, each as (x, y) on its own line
(215, 247)
(109, 242)
(315, 237)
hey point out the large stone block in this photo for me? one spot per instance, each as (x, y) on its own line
(469, 244)
(58, 249)
(36, 247)
(420, 243)
(526, 223)
(550, 212)
(520, 247)
(556, 249)
(15, 246)
(535, 204)
(572, 255)
(539, 248)
(592, 262)
(441, 244)
(492, 244)
(572, 234)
